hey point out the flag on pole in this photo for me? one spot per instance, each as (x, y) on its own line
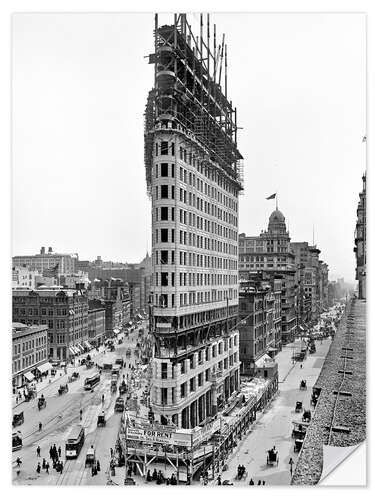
(272, 197)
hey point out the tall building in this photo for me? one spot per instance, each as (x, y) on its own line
(360, 242)
(43, 262)
(271, 252)
(193, 172)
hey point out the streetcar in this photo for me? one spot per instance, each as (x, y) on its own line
(91, 382)
(74, 442)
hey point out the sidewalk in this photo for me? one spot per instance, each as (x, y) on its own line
(60, 376)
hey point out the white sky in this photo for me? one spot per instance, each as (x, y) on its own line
(80, 83)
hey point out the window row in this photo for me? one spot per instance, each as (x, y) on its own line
(162, 257)
(194, 279)
(167, 235)
(165, 300)
(167, 192)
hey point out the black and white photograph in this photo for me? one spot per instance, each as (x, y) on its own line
(188, 219)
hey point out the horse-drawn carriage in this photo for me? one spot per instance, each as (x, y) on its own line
(90, 460)
(299, 430)
(241, 472)
(298, 445)
(30, 394)
(272, 457)
(113, 385)
(89, 364)
(306, 416)
(18, 419)
(74, 376)
(16, 441)
(123, 388)
(314, 396)
(298, 408)
(42, 403)
(303, 385)
(101, 419)
(63, 389)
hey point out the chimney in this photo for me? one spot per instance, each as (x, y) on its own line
(43, 250)
(49, 249)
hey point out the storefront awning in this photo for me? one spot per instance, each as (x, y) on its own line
(87, 344)
(75, 349)
(263, 361)
(72, 351)
(79, 348)
(29, 376)
(44, 367)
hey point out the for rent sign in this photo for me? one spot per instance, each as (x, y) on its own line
(158, 436)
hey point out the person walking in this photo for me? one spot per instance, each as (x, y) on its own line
(40, 426)
(51, 452)
(47, 467)
(38, 468)
(38, 451)
(251, 482)
(291, 463)
(80, 414)
(59, 451)
(18, 462)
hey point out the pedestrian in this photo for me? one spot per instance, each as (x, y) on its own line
(291, 463)
(18, 462)
(61, 466)
(38, 451)
(44, 463)
(259, 483)
(98, 465)
(111, 452)
(263, 483)
(251, 482)
(219, 480)
(301, 365)
(40, 426)
(47, 467)
(51, 452)
(38, 468)
(80, 414)
(59, 450)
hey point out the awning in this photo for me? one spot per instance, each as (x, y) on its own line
(44, 367)
(263, 361)
(29, 376)
(272, 349)
(76, 350)
(79, 347)
(87, 344)
(72, 351)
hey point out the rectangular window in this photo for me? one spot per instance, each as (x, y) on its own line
(164, 213)
(172, 151)
(164, 279)
(172, 170)
(164, 370)
(164, 235)
(164, 170)
(164, 191)
(163, 257)
(164, 148)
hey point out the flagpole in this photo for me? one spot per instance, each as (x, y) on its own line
(277, 206)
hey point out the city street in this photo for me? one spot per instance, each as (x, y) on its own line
(62, 412)
(274, 426)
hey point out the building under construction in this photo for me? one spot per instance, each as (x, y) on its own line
(194, 176)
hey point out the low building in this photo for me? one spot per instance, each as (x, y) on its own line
(64, 312)
(29, 351)
(44, 261)
(23, 276)
(260, 322)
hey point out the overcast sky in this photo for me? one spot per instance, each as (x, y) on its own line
(80, 83)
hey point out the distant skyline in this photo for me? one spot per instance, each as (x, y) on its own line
(80, 83)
